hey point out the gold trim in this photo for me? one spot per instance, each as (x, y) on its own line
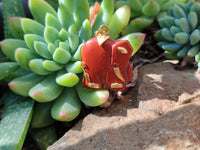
(86, 75)
(122, 50)
(101, 39)
(118, 73)
(93, 85)
(116, 85)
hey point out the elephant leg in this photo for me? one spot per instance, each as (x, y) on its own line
(113, 83)
(91, 81)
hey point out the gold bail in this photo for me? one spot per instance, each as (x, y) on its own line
(102, 34)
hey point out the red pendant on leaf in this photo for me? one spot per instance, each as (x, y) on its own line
(106, 61)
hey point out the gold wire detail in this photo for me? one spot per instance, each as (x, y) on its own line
(103, 30)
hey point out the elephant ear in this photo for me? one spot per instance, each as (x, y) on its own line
(121, 52)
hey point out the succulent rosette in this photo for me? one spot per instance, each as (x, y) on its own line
(144, 12)
(45, 54)
(179, 35)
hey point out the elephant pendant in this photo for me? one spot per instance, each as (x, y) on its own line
(105, 62)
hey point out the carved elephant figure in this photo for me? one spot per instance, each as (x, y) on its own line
(107, 64)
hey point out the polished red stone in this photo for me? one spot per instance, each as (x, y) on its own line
(107, 64)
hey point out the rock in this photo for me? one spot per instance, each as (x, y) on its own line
(161, 112)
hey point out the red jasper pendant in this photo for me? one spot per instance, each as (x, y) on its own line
(106, 62)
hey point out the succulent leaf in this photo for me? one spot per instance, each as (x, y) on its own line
(30, 40)
(67, 79)
(74, 67)
(91, 97)
(6, 68)
(23, 57)
(67, 106)
(15, 27)
(30, 26)
(36, 65)
(181, 38)
(151, 8)
(50, 34)
(42, 115)
(39, 9)
(47, 90)
(23, 84)
(52, 21)
(51, 65)
(61, 56)
(9, 47)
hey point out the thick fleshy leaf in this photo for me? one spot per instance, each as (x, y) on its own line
(72, 29)
(63, 35)
(171, 47)
(51, 20)
(135, 5)
(73, 42)
(65, 46)
(92, 97)
(42, 115)
(151, 8)
(30, 26)
(36, 65)
(39, 9)
(9, 47)
(7, 68)
(167, 34)
(76, 55)
(47, 90)
(193, 51)
(181, 38)
(15, 122)
(61, 56)
(197, 57)
(65, 16)
(67, 106)
(15, 27)
(23, 84)
(85, 32)
(185, 27)
(193, 19)
(138, 24)
(178, 12)
(50, 34)
(195, 37)
(51, 48)
(119, 21)
(67, 79)
(135, 39)
(42, 49)
(52, 65)
(74, 67)
(183, 51)
(23, 56)
(30, 40)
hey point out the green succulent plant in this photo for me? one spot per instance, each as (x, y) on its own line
(144, 12)
(179, 35)
(44, 54)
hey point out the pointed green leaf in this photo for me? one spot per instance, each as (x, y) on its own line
(151, 8)
(9, 47)
(67, 79)
(23, 84)
(193, 19)
(61, 56)
(15, 27)
(166, 33)
(193, 51)
(135, 39)
(7, 68)
(42, 49)
(119, 21)
(72, 29)
(47, 90)
(36, 65)
(52, 65)
(178, 12)
(183, 51)
(76, 55)
(23, 56)
(42, 115)
(73, 42)
(52, 21)
(195, 37)
(31, 38)
(51, 48)
(85, 32)
(39, 9)
(65, 16)
(185, 27)
(92, 97)
(181, 38)
(50, 34)
(30, 26)
(74, 67)
(63, 35)
(67, 106)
